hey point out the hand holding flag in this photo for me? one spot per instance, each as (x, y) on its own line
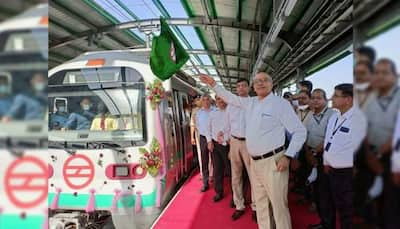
(167, 54)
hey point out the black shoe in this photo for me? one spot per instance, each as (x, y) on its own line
(204, 188)
(237, 214)
(254, 216)
(232, 204)
(218, 197)
(315, 226)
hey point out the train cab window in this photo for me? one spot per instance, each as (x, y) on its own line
(107, 103)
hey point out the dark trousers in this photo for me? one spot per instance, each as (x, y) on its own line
(204, 159)
(336, 194)
(391, 205)
(316, 189)
(221, 163)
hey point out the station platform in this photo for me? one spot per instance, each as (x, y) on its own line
(191, 209)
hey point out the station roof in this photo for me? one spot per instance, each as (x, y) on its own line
(225, 38)
(15, 7)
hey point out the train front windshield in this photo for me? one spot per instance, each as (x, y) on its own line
(23, 84)
(96, 105)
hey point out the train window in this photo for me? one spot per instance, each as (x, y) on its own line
(24, 41)
(107, 103)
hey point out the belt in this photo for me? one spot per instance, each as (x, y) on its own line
(240, 139)
(269, 154)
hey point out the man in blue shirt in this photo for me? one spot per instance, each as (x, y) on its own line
(30, 106)
(81, 120)
(59, 118)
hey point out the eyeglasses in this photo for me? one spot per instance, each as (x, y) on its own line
(258, 81)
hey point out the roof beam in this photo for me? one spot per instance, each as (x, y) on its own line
(92, 28)
(214, 67)
(246, 55)
(155, 23)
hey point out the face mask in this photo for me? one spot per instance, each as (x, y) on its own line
(4, 89)
(361, 86)
(62, 109)
(40, 86)
(303, 107)
(86, 107)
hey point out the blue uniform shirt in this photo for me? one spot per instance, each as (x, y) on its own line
(58, 120)
(80, 121)
(5, 104)
(28, 107)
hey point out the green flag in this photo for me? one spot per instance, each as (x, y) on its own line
(167, 54)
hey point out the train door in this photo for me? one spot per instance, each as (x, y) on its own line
(179, 133)
(185, 126)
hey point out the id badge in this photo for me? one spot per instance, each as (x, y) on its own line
(327, 146)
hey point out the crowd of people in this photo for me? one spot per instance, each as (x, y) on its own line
(339, 157)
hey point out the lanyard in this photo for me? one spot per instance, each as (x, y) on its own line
(322, 116)
(301, 115)
(384, 107)
(336, 129)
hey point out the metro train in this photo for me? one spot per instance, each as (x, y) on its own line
(23, 141)
(100, 120)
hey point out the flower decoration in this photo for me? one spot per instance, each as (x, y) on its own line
(151, 160)
(156, 93)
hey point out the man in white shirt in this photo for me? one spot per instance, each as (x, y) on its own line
(217, 140)
(239, 157)
(194, 133)
(267, 116)
(202, 117)
(344, 134)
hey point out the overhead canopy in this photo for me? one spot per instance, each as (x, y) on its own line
(225, 38)
(12, 8)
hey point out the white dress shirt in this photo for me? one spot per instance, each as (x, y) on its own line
(266, 121)
(202, 117)
(217, 123)
(344, 135)
(236, 121)
(396, 147)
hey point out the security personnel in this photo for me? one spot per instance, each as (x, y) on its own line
(344, 134)
(316, 129)
(238, 154)
(202, 117)
(267, 116)
(217, 141)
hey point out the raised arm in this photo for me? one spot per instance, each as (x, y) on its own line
(226, 95)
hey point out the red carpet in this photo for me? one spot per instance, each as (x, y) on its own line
(191, 209)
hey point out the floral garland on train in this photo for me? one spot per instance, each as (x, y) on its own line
(156, 93)
(151, 160)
